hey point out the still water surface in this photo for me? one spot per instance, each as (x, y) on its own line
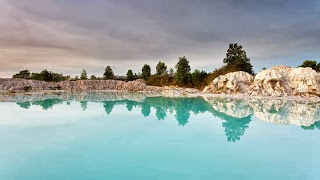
(138, 136)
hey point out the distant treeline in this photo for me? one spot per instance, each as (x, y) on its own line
(236, 60)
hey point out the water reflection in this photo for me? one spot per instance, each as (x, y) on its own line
(236, 114)
(181, 106)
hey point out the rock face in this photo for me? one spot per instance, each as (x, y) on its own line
(231, 83)
(26, 85)
(271, 82)
(305, 82)
(81, 85)
(285, 81)
(23, 85)
(278, 81)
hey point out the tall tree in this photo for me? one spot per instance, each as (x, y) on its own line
(108, 73)
(237, 57)
(310, 63)
(161, 68)
(130, 76)
(83, 75)
(146, 72)
(182, 75)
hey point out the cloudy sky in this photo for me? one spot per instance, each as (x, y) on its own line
(69, 35)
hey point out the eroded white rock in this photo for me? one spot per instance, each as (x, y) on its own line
(279, 81)
(231, 83)
(271, 82)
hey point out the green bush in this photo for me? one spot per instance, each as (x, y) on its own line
(164, 80)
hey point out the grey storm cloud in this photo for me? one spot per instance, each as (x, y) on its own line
(69, 35)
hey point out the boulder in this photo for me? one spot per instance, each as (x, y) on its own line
(271, 82)
(231, 83)
(282, 81)
(304, 82)
(15, 84)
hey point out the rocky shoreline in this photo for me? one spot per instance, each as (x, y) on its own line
(14, 85)
(279, 81)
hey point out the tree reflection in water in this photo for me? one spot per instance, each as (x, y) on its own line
(45, 104)
(313, 126)
(236, 114)
(84, 105)
(234, 127)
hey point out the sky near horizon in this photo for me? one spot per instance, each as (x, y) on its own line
(70, 35)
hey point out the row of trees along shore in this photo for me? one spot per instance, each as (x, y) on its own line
(236, 60)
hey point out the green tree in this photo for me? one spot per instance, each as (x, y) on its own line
(182, 75)
(198, 77)
(146, 72)
(93, 77)
(310, 63)
(130, 76)
(25, 74)
(49, 76)
(83, 75)
(108, 73)
(237, 57)
(161, 68)
(318, 66)
(46, 75)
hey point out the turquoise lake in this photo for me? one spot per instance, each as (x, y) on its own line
(107, 135)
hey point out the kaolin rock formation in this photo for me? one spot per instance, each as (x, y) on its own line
(23, 85)
(231, 83)
(277, 81)
(81, 85)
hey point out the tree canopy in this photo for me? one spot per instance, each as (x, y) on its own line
(237, 57)
(161, 68)
(83, 75)
(312, 64)
(146, 72)
(93, 77)
(108, 73)
(198, 76)
(44, 75)
(130, 76)
(182, 75)
(22, 74)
